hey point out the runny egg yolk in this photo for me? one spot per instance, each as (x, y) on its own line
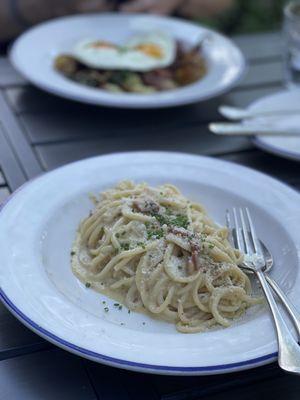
(101, 44)
(150, 49)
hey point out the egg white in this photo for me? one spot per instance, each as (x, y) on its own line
(128, 57)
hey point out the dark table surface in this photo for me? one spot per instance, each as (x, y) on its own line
(39, 132)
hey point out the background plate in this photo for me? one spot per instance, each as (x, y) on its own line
(45, 41)
(287, 147)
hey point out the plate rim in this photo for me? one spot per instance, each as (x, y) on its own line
(121, 362)
(290, 155)
(132, 365)
(177, 101)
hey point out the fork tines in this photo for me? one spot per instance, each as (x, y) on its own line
(241, 225)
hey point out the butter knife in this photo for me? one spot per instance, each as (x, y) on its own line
(225, 128)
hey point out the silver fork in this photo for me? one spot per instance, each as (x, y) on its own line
(247, 242)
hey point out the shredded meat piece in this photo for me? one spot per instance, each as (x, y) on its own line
(193, 263)
(146, 206)
(161, 79)
(195, 248)
(190, 266)
(195, 259)
(179, 231)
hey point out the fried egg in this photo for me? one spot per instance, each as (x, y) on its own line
(143, 52)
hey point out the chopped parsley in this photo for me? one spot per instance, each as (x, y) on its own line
(155, 233)
(106, 309)
(141, 244)
(119, 306)
(203, 237)
(87, 284)
(73, 253)
(181, 221)
(129, 311)
(161, 219)
(211, 246)
(125, 246)
(117, 235)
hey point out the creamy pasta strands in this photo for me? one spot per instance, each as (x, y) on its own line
(156, 252)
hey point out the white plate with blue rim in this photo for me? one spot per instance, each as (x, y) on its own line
(39, 288)
(46, 41)
(284, 146)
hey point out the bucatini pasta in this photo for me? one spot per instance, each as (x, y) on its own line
(156, 252)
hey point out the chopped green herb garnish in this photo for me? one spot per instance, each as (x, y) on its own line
(119, 77)
(211, 246)
(116, 304)
(87, 284)
(73, 253)
(181, 221)
(176, 220)
(157, 234)
(120, 307)
(144, 323)
(122, 323)
(161, 219)
(141, 244)
(117, 235)
(129, 311)
(203, 236)
(168, 211)
(125, 246)
(106, 309)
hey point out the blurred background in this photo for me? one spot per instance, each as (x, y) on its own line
(248, 17)
(228, 16)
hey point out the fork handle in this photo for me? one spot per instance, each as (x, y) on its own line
(288, 348)
(290, 308)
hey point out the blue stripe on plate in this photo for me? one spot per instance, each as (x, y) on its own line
(121, 362)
